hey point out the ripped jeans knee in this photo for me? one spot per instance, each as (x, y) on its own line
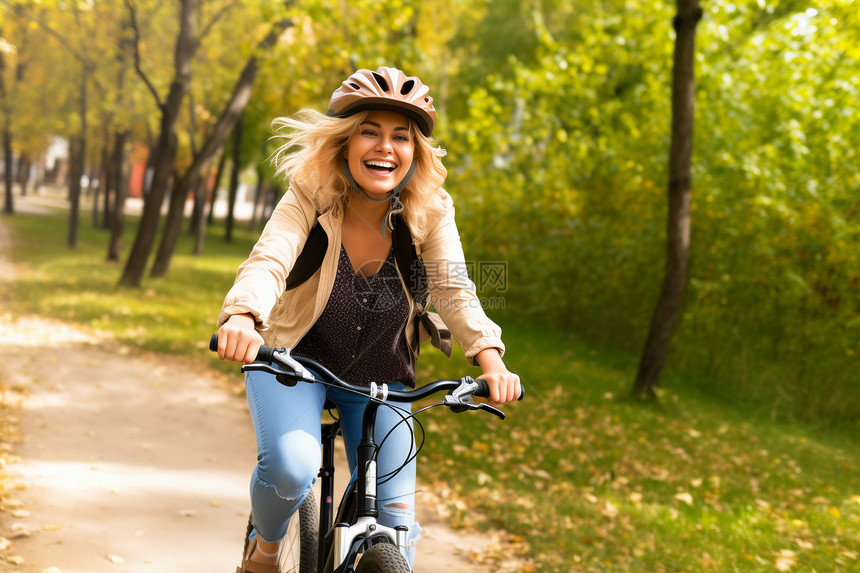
(394, 513)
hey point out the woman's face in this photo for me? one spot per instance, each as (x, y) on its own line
(380, 153)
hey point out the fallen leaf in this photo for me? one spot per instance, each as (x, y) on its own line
(834, 512)
(115, 559)
(20, 513)
(785, 560)
(15, 560)
(685, 497)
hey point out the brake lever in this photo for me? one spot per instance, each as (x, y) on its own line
(491, 410)
(296, 374)
(460, 399)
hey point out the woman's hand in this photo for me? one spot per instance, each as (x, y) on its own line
(238, 340)
(504, 384)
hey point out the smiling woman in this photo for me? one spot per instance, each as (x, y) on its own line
(368, 175)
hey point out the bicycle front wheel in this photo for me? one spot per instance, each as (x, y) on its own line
(300, 545)
(382, 558)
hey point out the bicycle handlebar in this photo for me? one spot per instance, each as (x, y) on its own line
(458, 398)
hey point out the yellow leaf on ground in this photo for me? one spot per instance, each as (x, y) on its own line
(685, 497)
(834, 512)
(785, 560)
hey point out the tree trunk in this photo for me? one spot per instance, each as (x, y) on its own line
(226, 121)
(258, 194)
(200, 192)
(166, 150)
(215, 186)
(200, 195)
(24, 172)
(80, 157)
(678, 223)
(9, 205)
(234, 182)
(78, 162)
(119, 184)
(107, 186)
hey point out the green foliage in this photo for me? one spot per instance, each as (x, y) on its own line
(559, 161)
(556, 118)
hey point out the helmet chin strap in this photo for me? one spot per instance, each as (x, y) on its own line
(393, 195)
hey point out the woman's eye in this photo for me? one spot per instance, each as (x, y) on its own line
(368, 133)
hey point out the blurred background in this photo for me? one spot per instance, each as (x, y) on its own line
(556, 115)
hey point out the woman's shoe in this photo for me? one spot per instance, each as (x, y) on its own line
(249, 566)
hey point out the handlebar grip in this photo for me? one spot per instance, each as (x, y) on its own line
(264, 354)
(484, 389)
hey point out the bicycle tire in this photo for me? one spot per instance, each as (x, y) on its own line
(300, 545)
(382, 558)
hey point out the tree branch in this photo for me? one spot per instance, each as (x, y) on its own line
(132, 13)
(88, 64)
(218, 15)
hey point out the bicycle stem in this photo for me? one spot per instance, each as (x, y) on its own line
(366, 470)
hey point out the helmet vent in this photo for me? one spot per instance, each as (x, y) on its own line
(407, 87)
(381, 81)
(354, 86)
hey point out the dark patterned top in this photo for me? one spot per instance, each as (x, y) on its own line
(360, 335)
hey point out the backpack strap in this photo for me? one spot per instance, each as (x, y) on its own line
(410, 266)
(310, 259)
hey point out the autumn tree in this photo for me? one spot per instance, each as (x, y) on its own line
(680, 187)
(165, 147)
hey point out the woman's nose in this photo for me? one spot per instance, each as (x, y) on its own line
(384, 143)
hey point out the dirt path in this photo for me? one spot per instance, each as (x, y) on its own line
(132, 462)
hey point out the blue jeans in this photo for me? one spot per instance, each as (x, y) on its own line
(287, 426)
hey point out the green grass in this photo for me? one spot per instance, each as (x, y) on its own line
(580, 477)
(173, 315)
(594, 481)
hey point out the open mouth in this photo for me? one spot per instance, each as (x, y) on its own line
(381, 167)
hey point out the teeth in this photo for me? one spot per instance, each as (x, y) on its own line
(383, 164)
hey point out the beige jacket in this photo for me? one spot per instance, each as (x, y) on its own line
(284, 317)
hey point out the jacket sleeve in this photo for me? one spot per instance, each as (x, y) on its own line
(261, 279)
(452, 291)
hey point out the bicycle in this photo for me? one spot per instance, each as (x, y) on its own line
(356, 543)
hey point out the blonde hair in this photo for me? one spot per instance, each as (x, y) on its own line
(310, 159)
